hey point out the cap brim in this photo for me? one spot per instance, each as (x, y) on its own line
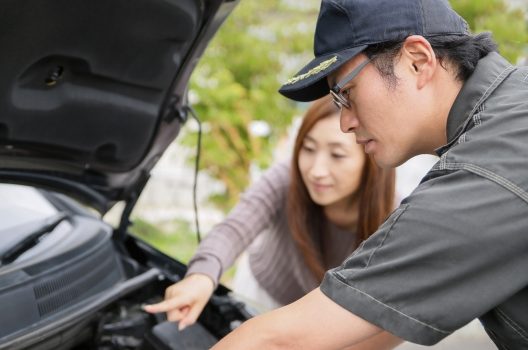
(310, 82)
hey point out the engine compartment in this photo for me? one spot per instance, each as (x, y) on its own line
(79, 287)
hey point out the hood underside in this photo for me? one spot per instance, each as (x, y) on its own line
(93, 92)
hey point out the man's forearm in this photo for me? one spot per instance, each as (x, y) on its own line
(313, 322)
(258, 333)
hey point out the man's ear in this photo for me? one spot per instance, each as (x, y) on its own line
(420, 58)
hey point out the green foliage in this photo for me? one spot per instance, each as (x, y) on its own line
(179, 242)
(262, 44)
(507, 25)
(236, 82)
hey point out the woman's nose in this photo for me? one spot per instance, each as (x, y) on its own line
(320, 166)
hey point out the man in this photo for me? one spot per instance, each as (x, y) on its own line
(411, 79)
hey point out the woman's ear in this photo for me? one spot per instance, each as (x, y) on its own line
(419, 56)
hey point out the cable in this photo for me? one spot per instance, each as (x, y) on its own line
(196, 168)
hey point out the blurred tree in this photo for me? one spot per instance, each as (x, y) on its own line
(262, 44)
(235, 84)
(507, 24)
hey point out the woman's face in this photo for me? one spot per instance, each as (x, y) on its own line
(331, 163)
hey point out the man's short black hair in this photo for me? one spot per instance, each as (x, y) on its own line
(461, 51)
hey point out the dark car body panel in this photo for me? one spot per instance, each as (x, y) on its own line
(92, 93)
(81, 288)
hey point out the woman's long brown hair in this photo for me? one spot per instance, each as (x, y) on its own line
(306, 219)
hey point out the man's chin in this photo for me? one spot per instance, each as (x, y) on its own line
(387, 163)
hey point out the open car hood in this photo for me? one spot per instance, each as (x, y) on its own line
(93, 92)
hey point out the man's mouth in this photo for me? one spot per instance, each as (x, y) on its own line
(368, 144)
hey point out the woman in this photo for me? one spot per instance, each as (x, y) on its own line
(300, 219)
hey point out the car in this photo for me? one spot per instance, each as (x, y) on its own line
(91, 95)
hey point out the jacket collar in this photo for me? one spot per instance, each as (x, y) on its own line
(489, 73)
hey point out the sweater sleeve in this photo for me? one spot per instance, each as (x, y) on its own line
(258, 207)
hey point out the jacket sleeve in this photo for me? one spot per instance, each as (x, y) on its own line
(454, 249)
(258, 207)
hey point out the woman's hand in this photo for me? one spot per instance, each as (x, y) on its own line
(185, 300)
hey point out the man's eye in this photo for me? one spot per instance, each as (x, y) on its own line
(345, 92)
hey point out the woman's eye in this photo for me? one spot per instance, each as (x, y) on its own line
(338, 155)
(308, 149)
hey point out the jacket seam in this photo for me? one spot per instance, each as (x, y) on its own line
(525, 79)
(391, 308)
(397, 216)
(476, 117)
(477, 121)
(512, 324)
(500, 78)
(507, 184)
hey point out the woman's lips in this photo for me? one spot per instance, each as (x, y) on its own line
(320, 187)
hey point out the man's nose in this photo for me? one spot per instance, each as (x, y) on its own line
(348, 120)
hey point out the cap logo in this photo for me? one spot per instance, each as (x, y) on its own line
(319, 68)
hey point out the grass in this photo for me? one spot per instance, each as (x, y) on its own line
(175, 238)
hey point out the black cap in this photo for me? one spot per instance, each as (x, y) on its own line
(347, 27)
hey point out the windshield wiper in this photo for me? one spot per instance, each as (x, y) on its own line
(31, 239)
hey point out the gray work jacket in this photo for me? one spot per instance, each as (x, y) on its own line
(457, 248)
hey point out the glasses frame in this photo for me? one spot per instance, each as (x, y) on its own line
(340, 100)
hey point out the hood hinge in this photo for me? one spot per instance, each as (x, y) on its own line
(124, 223)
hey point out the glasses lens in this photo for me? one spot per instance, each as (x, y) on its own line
(340, 100)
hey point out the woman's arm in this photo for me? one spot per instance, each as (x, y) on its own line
(257, 209)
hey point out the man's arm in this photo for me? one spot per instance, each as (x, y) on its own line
(380, 341)
(312, 322)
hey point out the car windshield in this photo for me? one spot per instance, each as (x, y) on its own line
(26, 217)
(21, 205)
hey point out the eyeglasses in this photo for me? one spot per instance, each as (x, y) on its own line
(340, 99)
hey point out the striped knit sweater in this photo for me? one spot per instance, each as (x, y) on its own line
(259, 223)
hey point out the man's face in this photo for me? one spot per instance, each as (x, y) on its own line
(386, 119)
